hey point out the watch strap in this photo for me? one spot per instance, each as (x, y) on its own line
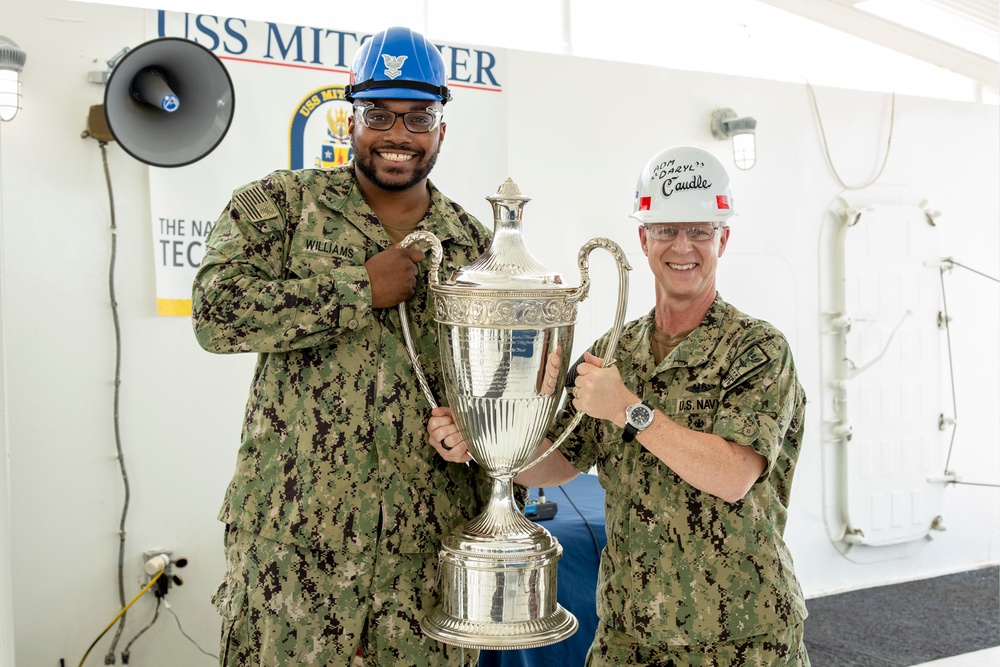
(631, 431)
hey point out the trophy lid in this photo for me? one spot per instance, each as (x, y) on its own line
(507, 264)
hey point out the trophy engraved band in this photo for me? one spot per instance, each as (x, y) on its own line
(499, 320)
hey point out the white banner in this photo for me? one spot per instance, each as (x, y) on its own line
(289, 112)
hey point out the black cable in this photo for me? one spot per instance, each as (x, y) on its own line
(995, 486)
(967, 268)
(946, 264)
(593, 536)
(951, 369)
(110, 659)
(186, 635)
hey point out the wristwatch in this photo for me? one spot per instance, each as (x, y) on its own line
(637, 418)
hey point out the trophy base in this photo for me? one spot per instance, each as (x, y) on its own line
(499, 636)
(498, 585)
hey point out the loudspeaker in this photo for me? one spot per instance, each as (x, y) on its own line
(169, 102)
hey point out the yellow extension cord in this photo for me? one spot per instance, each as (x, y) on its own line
(119, 615)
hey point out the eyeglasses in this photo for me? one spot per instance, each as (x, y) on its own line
(418, 122)
(695, 231)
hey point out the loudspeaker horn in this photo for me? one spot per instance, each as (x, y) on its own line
(169, 102)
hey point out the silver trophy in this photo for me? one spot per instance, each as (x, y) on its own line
(499, 319)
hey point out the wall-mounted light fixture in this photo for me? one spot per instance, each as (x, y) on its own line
(725, 124)
(11, 63)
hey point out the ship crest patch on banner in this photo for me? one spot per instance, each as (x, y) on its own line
(320, 140)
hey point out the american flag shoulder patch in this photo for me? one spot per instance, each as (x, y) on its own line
(255, 204)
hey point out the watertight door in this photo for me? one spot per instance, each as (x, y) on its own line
(883, 365)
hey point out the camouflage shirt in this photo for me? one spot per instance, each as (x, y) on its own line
(334, 450)
(683, 566)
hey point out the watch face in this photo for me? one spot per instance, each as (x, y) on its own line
(640, 416)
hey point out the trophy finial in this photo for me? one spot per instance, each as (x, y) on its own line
(508, 192)
(509, 188)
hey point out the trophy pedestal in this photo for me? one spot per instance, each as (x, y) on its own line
(498, 578)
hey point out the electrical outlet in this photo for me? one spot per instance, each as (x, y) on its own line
(150, 554)
(169, 577)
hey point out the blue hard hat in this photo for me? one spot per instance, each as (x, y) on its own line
(398, 63)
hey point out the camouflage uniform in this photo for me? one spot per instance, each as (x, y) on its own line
(334, 459)
(684, 568)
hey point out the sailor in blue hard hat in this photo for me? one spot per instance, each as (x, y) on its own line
(338, 503)
(398, 88)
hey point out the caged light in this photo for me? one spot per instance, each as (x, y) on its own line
(11, 63)
(725, 125)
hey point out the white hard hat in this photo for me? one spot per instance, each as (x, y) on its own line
(683, 184)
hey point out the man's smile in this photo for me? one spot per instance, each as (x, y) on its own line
(395, 157)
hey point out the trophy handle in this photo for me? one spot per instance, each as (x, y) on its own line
(435, 248)
(616, 330)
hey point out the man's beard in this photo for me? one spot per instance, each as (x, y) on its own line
(365, 163)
